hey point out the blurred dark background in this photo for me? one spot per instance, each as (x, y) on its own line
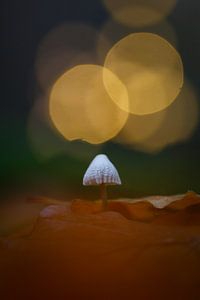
(173, 170)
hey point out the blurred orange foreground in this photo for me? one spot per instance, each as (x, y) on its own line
(139, 249)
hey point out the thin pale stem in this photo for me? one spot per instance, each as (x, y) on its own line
(103, 192)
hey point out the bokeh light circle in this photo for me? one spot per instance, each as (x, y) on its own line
(138, 129)
(80, 107)
(46, 143)
(139, 12)
(175, 124)
(62, 48)
(111, 32)
(150, 68)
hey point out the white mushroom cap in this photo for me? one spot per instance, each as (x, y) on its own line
(101, 170)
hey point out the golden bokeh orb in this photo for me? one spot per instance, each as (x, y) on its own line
(112, 31)
(138, 129)
(175, 124)
(46, 143)
(150, 68)
(62, 48)
(80, 107)
(139, 12)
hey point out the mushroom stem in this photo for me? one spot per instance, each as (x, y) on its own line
(103, 192)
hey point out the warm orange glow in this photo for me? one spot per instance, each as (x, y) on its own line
(150, 68)
(139, 12)
(178, 123)
(17, 216)
(80, 107)
(142, 249)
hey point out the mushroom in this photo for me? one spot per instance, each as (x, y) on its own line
(101, 172)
